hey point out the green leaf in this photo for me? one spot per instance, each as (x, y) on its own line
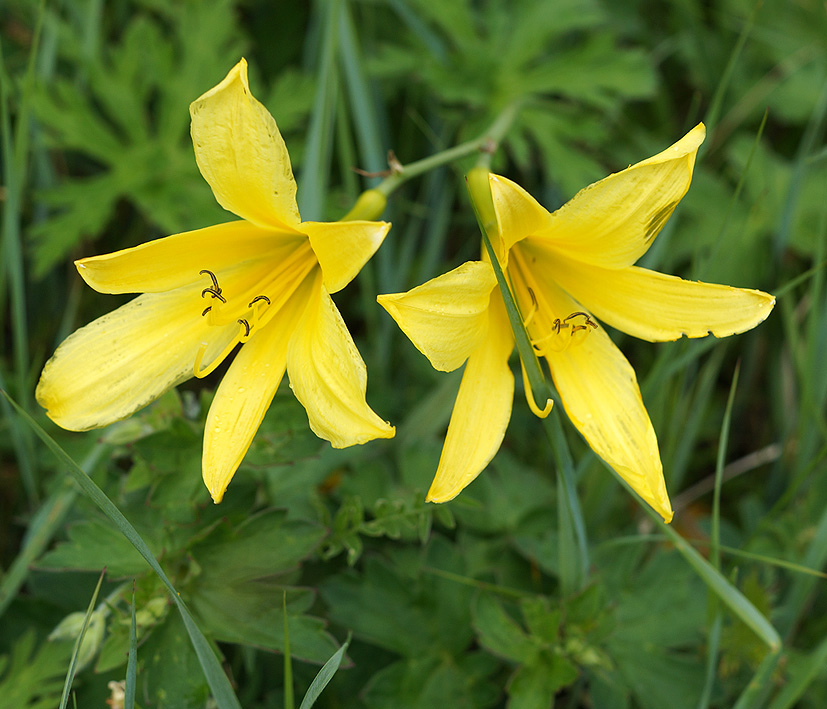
(321, 680)
(92, 545)
(170, 672)
(500, 633)
(265, 545)
(533, 686)
(427, 682)
(249, 613)
(222, 691)
(30, 677)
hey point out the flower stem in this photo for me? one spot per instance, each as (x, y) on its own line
(371, 203)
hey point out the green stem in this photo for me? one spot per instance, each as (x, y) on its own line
(375, 199)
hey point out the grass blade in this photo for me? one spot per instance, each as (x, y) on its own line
(289, 701)
(216, 678)
(70, 674)
(132, 662)
(731, 597)
(320, 681)
(313, 188)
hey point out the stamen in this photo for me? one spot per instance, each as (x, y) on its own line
(215, 290)
(529, 397)
(558, 326)
(209, 369)
(206, 310)
(258, 298)
(214, 294)
(199, 356)
(534, 308)
(204, 271)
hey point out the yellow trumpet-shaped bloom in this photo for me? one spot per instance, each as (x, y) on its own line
(568, 270)
(264, 281)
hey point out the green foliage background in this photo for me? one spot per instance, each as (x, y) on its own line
(462, 604)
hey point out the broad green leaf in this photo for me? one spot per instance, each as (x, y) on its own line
(92, 545)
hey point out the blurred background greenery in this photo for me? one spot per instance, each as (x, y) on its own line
(460, 604)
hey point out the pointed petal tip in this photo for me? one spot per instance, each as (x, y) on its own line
(364, 436)
(439, 495)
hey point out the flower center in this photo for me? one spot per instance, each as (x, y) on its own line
(216, 316)
(547, 330)
(261, 295)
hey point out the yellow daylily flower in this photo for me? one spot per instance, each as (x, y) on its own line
(264, 281)
(567, 270)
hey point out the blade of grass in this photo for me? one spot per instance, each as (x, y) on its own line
(720, 91)
(731, 597)
(362, 100)
(15, 148)
(715, 533)
(573, 544)
(321, 680)
(289, 701)
(713, 646)
(714, 630)
(759, 687)
(132, 661)
(216, 678)
(811, 669)
(42, 528)
(313, 191)
(70, 674)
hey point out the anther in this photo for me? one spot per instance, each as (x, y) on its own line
(206, 310)
(214, 293)
(246, 327)
(258, 298)
(215, 289)
(533, 312)
(204, 271)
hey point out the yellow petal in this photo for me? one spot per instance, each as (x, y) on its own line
(242, 155)
(519, 215)
(599, 391)
(124, 360)
(343, 248)
(328, 376)
(245, 394)
(657, 307)
(165, 264)
(613, 222)
(481, 412)
(447, 317)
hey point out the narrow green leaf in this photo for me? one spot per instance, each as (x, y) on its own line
(321, 680)
(715, 534)
(289, 702)
(219, 683)
(797, 682)
(70, 674)
(721, 587)
(755, 693)
(132, 661)
(313, 188)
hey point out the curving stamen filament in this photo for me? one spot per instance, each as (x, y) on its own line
(554, 339)
(242, 336)
(533, 310)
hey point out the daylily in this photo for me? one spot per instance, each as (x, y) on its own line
(264, 281)
(567, 270)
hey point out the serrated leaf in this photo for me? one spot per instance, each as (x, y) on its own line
(32, 677)
(500, 633)
(265, 545)
(91, 546)
(250, 613)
